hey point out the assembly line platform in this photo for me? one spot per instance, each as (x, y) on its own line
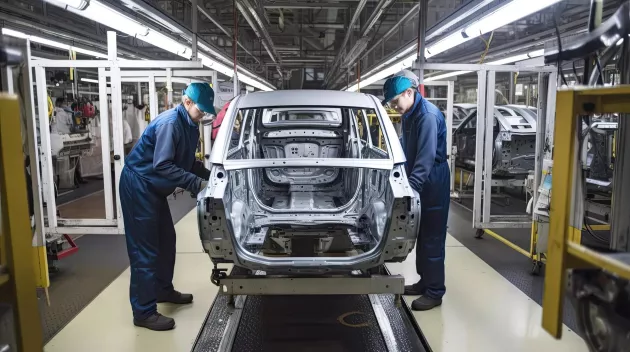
(482, 311)
(331, 323)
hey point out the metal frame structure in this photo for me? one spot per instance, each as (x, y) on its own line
(169, 76)
(566, 213)
(450, 95)
(110, 68)
(483, 220)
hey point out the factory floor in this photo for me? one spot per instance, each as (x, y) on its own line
(484, 309)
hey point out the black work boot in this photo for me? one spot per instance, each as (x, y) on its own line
(414, 290)
(176, 297)
(425, 303)
(156, 322)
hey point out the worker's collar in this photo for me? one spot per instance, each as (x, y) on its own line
(181, 110)
(417, 99)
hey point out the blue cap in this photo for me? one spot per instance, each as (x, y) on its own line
(399, 83)
(202, 95)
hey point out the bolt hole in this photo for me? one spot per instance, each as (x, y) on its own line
(403, 217)
(214, 218)
(217, 248)
(396, 174)
(220, 174)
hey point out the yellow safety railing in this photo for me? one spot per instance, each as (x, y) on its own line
(563, 251)
(17, 282)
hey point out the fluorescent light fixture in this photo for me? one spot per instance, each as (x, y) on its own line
(506, 14)
(451, 41)
(400, 65)
(446, 75)
(77, 4)
(51, 43)
(107, 16)
(253, 82)
(507, 60)
(89, 80)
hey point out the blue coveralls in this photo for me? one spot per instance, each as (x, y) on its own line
(162, 160)
(424, 144)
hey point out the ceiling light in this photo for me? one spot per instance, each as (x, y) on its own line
(446, 75)
(449, 42)
(405, 63)
(51, 43)
(253, 82)
(511, 12)
(508, 13)
(89, 80)
(107, 16)
(507, 60)
(77, 4)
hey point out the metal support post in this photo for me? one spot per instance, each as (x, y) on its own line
(422, 31)
(153, 103)
(488, 143)
(481, 113)
(119, 154)
(46, 149)
(105, 144)
(139, 93)
(33, 152)
(169, 88)
(195, 18)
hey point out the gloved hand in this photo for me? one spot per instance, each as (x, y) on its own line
(202, 186)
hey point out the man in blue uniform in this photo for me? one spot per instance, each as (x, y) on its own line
(162, 160)
(424, 143)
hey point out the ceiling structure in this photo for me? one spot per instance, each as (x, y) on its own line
(297, 44)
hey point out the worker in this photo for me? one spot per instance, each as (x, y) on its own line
(162, 160)
(424, 144)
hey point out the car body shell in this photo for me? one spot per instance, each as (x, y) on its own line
(514, 135)
(274, 188)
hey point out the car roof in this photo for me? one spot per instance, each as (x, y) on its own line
(301, 97)
(466, 105)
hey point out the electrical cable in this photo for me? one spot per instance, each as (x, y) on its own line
(574, 70)
(559, 63)
(600, 79)
(485, 52)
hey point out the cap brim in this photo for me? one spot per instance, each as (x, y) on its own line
(207, 109)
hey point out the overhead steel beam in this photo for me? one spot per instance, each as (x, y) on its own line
(224, 29)
(164, 20)
(314, 43)
(376, 14)
(304, 5)
(342, 48)
(408, 16)
(258, 26)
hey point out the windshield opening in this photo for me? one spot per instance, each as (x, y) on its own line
(307, 132)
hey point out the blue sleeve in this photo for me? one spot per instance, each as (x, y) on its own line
(425, 155)
(166, 138)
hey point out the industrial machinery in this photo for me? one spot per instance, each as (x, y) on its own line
(599, 279)
(298, 185)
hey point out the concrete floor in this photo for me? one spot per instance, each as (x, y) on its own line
(482, 311)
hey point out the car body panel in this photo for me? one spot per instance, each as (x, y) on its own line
(298, 186)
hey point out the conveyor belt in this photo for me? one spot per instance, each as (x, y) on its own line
(310, 323)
